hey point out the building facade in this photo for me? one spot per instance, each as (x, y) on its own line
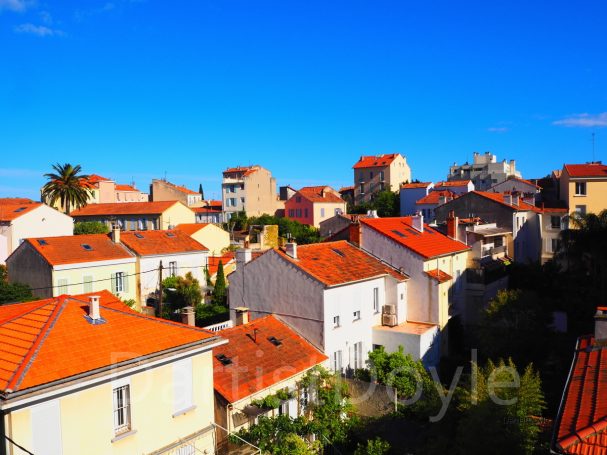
(582, 187)
(314, 204)
(212, 236)
(373, 174)
(250, 189)
(485, 171)
(161, 190)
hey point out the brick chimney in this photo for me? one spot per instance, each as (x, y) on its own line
(355, 233)
(452, 225)
(115, 233)
(94, 312)
(291, 249)
(188, 316)
(600, 323)
(242, 315)
(243, 255)
(417, 221)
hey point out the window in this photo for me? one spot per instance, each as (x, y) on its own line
(233, 201)
(119, 282)
(581, 209)
(291, 213)
(335, 321)
(297, 199)
(45, 423)
(555, 222)
(232, 188)
(553, 245)
(87, 284)
(62, 284)
(283, 408)
(173, 268)
(362, 188)
(356, 316)
(122, 409)
(580, 188)
(305, 213)
(358, 355)
(376, 300)
(371, 175)
(242, 200)
(381, 177)
(337, 365)
(183, 396)
(382, 186)
(322, 212)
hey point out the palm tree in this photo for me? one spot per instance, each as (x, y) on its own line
(68, 186)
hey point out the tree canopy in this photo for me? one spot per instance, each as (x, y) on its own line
(90, 227)
(13, 292)
(66, 185)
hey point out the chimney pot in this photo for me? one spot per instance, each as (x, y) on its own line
(94, 312)
(243, 255)
(291, 249)
(242, 315)
(418, 222)
(188, 316)
(600, 323)
(115, 233)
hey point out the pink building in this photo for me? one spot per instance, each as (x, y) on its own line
(313, 204)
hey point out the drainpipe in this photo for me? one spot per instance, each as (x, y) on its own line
(3, 442)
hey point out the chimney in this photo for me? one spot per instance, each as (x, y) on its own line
(94, 312)
(512, 166)
(355, 234)
(515, 199)
(372, 214)
(243, 255)
(188, 316)
(600, 323)
(452, 225)
(242, 315)
(115, 233)
(291, 249)
(417, 222)
(508, 198)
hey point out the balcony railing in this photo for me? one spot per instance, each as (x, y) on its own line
(203, 441)
(220, 326)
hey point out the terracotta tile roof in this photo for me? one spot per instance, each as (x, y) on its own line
(120, 187)
(124, 208)
(94, 178)
(375, 161)
(319, 194)
(340, 262)
(191, 228)
(51, 340)
(439, 275)
(346, 188)
(416, 185)
(16, 200)
(213, 262)
(9, 212)
(433, 197)
(451, 184)
(148, 243)
(69, 249)
(586, 170)
(582, 419)
(500, 197)
(214, 203)
(256, 362)
(180, 188)
(428, 244)
(528, 182)
(244, 170)
(204, 210)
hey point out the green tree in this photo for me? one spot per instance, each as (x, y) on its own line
(219, 291)
(375, 446)
(386, 203)
(13, 292)
(181, 291)
(90, 227)
(67, 186)
(201, 191)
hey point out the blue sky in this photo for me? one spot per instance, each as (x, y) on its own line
(133, 89)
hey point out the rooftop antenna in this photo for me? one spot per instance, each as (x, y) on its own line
(165, 176)
(593, 136)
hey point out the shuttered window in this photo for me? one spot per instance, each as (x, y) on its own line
(87, 284)
(182, 385)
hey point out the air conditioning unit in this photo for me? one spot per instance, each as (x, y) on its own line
(389, 309)
(389, 320)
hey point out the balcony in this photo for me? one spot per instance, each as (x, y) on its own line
(494, 252)
(203, 441)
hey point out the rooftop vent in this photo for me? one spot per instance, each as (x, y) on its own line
(20, 209)
(275, 341)
(42, 242)
(138, 235)
(170, 234)
(87, 247)
(223, 359)
(339, 252)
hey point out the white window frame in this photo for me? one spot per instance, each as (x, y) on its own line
(127, 426)
(358, 355)
(582, 189)
(173, 268)
(335, 321)
(376, 299)
(119, 284)
(356, 315)
(337, 360)
(183, 386)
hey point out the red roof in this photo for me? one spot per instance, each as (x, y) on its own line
(148, 243)
(428, 244)
(340, 262)
(51, 340)
(501, 198)
(124, 208)
(319, 194)
(582, 420)
(586, 170)
(244, 170)
(94, 178)
(213, 262)
(453, 183)
(439, 275)
(416, 185)
(70, 249)
(257, 363)
(375, 161)
(120, 187)
(16, 200)
(9, 212)
(191, 228)
(528, 182)
(433, 197)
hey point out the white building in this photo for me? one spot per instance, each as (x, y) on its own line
(20, 219)
(334, 294)
(177, 251)
(485, 171)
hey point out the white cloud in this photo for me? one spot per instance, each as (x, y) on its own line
(38, 30)
(46, 17)
(583, 120)
(498, 129)
(14, 5)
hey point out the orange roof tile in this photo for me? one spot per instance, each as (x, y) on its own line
(428, 244)
(16, 200)
(51, 340)
(180, 188)
(69, 249)
(501, 198)
(256, 362)
(528, 182)
(586, 170)
(334, 263)
(124, 208)
(225, 259)
(148, 243)
(582, 419)
(244, 170)
(416, 185)
(319, 194)
(9, 212)
(375, 161)
(94, 178)
(191, 228)
(120, 187)
(439, 275)
(434, 197)
(453, 183)
(204, 210)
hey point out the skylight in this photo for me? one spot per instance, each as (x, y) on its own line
(412, 231)
(400, 234)
(170, 234)
(42, 242)
(223, 359)
(138, 235)
(20, 209)
(87, 247)
(341, 253)
(275, 341)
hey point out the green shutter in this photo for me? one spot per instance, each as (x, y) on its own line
(113, 280)
(62, 285)
(87, 285)
(125, 282)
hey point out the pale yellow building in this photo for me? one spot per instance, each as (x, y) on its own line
(137, 216)
(161, 190)
(87, 375)
(210, 235)
(251, 189)
(54, 266)
(583, 187)
(373, 174)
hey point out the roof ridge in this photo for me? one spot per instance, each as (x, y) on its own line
(34, 349)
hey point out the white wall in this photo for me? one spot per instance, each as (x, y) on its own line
(186, 262)
(424, 346)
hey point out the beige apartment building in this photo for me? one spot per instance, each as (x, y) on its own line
(373, 174)
(251, 189)
(161, 190)
(583, 187)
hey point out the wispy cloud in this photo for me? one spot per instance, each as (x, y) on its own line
(81, 15)
(38, 30)
(17, 6)
(46, 17)
(583, 120)
(498, 129)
